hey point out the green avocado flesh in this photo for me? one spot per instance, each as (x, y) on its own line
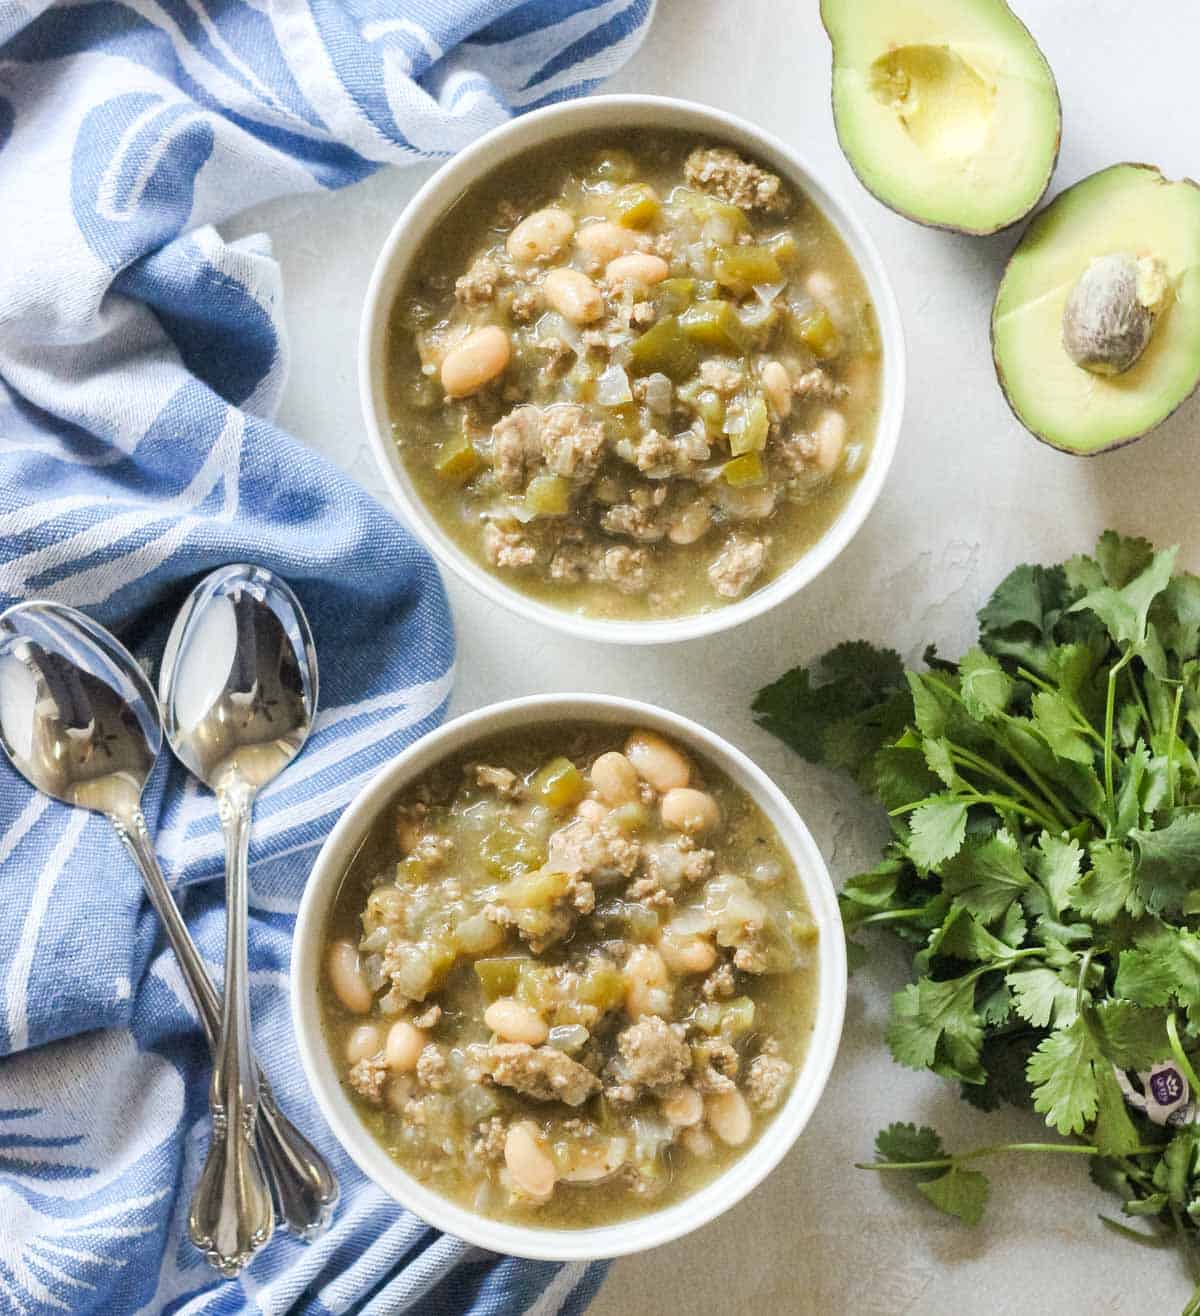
(1130, 211)
(946, 109)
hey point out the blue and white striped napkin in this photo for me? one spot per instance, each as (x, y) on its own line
(141, 359)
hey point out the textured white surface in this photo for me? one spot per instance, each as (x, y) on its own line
(970, 495)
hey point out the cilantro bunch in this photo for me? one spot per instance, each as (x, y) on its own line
(1044, 866)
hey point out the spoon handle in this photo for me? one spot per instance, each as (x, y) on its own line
(305, 1187)
(231, 1214)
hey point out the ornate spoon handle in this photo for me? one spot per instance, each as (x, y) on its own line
(304, 1184)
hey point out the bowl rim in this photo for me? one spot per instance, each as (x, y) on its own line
(564, 120)
(640, 1232)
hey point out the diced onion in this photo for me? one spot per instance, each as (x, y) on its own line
(659, 393)
(612, 388)
(767, 292)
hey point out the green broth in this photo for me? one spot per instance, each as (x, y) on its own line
(430, 430)
(783, 1002)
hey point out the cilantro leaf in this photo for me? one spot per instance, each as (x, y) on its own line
(1122, 558)
(856, 681)
(1124, 609)
(1114, 1133)
(1041, 996)
(934, 1025)
(1108, 888)
(938, 829)
(1056, 865)
(986, 876)
(1061, 1074)
(1055, 719)
(901, 776)
(1168, 863)
(958, 1192)
(1131, 1036)
(907, 1142)
(1162, 968)
(986, 687)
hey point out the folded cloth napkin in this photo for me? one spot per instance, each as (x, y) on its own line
(141, 358)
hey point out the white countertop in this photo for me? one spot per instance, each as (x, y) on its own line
(970, 495)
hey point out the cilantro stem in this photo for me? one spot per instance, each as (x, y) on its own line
(1113, 672)
(1180, 1054)
(948, 1162)
(965, 758)
(1065, 819)
(997, 801)
(1171, 747)
(891, 916)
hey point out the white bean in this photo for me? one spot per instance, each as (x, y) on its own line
(540, 235)
(689, 810)
(646, 990)
(405, 1042)
(778, 384)
(820, 287)
(656, 761)
(346, 977)
(515, 1022)
(728, 1116)
(696, 1141)
(830, 434)
(573, 295)
(477, 360)
(533, 1172)
(363, 1041)
(686, 953)
(615, 778)
(683, 1107)
(638, 267)
(592, 810)
(606, 241)
(690, 524)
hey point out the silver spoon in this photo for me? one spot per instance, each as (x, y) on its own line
(80, 722)
(238, 686)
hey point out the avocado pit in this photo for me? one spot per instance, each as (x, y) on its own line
(1110, 313)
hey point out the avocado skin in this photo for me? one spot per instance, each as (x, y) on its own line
(960, 228)
(1129, 439)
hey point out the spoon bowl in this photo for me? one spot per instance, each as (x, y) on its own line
(239, 678)
(78, 717)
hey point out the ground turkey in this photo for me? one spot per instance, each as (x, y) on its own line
(507, 548)
(737, 564)
(478, 286)
(767, 1080)
(367, 1077)
(559, 438)
(593, 849)
(540, 1072)
(655, 1053)
(627, 568)
(501, 780)
(724, 174)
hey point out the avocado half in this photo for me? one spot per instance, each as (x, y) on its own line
(1096, 326)
(946, 109)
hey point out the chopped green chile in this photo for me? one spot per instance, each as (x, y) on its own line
(665, 348)
(590, 1010)
(593, 471)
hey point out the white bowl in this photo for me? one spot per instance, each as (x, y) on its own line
(565, 120)
(644, 1231)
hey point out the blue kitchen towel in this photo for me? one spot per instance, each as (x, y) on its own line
(141, 360)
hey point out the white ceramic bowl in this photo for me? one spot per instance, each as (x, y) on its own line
(565, 120)
(644, 1231)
